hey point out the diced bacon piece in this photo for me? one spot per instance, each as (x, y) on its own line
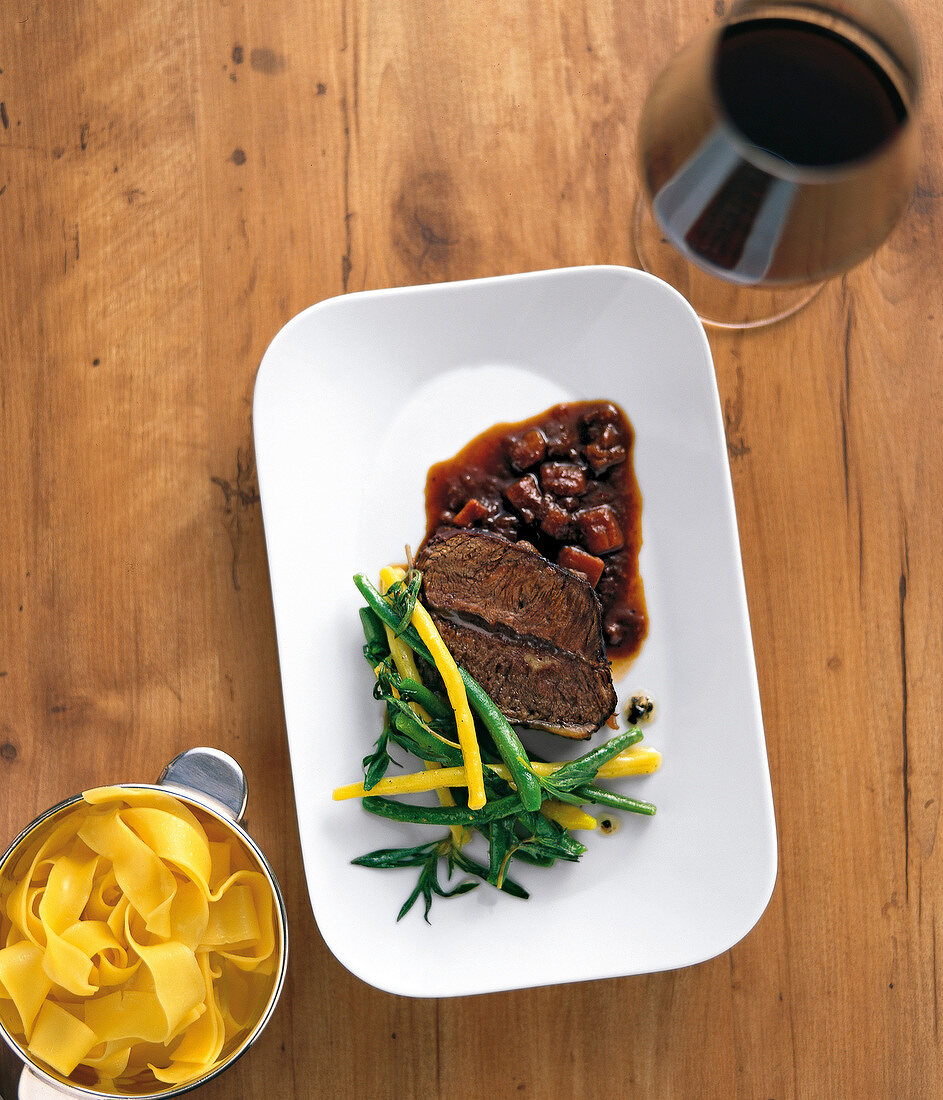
(577, 560)
(528, 449)
(600, 529)
(563, 479)
(554, 521)
(524, 497)
(562, 440)
(602, 456)
(472, 511)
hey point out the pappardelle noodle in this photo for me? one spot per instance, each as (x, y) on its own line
(138, 942)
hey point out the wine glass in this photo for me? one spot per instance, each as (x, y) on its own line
(777, 150)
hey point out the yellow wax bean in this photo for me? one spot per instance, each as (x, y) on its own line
(570, 817)
(635, 760)
(631, 761)
(455, 688)
(412, 783)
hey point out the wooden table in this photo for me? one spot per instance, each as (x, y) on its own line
(178, 178)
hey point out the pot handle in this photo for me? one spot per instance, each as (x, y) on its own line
(209, 775)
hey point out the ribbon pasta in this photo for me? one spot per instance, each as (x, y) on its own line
(138, 942)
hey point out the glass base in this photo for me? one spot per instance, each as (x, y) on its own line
(716, 302)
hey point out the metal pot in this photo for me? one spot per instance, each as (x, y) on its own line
(213, 782)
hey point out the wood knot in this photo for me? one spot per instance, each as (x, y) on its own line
(426, 225)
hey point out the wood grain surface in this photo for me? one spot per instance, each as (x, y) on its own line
(178, 178)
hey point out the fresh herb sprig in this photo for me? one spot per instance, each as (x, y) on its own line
(575, 775)
(428, 858)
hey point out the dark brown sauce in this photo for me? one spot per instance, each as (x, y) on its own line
(564, 482)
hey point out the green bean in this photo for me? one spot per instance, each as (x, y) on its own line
(510, 820)
(373, 630)
(440, 815)
(584, 768)
(502, 843)
(505, 739)
(599, 796)
(431, 747)
(506, 742)
(419, 693)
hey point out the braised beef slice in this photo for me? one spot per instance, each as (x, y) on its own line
(529, 631)
(534, 685)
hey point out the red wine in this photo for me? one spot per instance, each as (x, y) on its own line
(781, 148)
(793, 97)
(805, 93)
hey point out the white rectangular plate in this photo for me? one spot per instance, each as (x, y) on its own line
(355, 399)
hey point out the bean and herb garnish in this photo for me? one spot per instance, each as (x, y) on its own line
(489, 787)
